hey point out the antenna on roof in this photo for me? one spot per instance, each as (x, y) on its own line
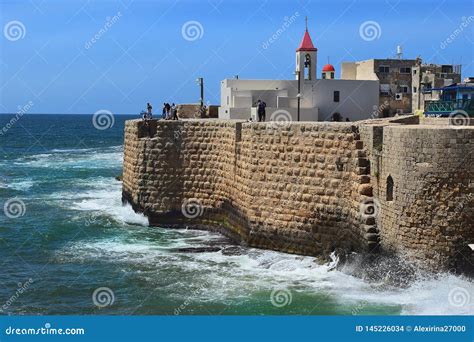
(399, 52)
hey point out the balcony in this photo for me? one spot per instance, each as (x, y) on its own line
(445, 108)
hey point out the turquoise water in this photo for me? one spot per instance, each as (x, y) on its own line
(73, 237)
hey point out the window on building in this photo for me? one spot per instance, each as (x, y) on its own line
(414, 90)
(390, 188)
(427, 86)
(385, 89)
(324, 75)
(336, 96)
(404, 89)
(405, 70)
(332, 75)
(384, 68)
(414, 72)
(447, 69)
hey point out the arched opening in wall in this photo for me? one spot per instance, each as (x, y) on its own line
(389, 188)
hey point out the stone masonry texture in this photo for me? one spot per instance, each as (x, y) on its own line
(308, 188)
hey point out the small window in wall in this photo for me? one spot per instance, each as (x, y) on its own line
(384, 68)
(324, 75)
(227, 100)
(447, 69)
(404, 89)
(336, 96)
(414, 72)
(385, 89)
(427, 87)
(389, 188)
(414, 90)
(405, 70)
(332, 75)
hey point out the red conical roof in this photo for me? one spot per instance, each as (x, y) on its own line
(306, 43)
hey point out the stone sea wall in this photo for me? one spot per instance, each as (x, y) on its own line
(311, 187)
(299, 188)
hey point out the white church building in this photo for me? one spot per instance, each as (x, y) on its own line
(309, 97)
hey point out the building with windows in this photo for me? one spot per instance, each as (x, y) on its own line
(455, 100)
(306, 98)
(428, 79)
(401, 81)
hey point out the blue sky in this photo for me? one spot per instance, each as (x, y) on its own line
(47, 57)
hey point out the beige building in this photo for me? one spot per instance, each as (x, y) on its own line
(400, 81)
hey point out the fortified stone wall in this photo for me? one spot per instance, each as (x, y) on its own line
(431, 214)
(430, 217)
(310, 188)
(300, 188)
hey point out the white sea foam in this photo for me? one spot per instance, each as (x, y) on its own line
(105, 198)
(22, 185)
(236, 276)
(90, 158)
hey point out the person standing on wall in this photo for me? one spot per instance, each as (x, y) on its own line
(168, 109)
(163, 112)
(149, 108)
(174, 112)
(261, 110)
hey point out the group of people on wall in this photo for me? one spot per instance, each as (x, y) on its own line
(169, 112)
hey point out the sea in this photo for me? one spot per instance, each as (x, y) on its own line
(68, 245)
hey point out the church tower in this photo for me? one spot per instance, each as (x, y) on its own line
(306, 58)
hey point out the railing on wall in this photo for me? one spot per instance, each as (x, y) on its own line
(445, 108)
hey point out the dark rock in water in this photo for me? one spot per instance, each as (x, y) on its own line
(233, 250)
(119, 178)
(197, 249)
